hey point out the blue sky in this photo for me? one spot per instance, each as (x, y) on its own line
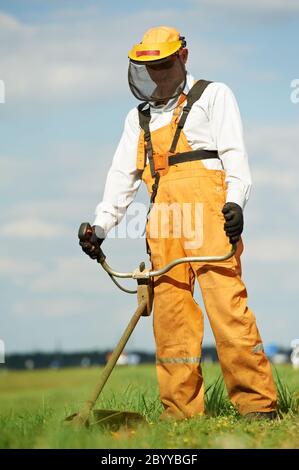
(64, 64)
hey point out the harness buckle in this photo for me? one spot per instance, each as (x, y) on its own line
(161, 162)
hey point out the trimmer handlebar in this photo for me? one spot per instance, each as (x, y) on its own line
(85, 232)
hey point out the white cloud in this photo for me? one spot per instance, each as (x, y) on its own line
(13, 268)
(20, 271)
(65, 209)
(274, 249)
(77, 56)
(256, 5)
(272, 156)
(14, 170)
(61, 275)
(73, 275)
(33, 229)
(10, 25)
(55, 61)
(283, 179)
(275, 142)
(274, 167)
(60, 307)
(290, 281)
(68, 165)
(65, 197)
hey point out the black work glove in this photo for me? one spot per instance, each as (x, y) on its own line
(234, 221)
(91, 247)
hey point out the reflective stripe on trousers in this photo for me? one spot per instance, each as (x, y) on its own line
(178, 360)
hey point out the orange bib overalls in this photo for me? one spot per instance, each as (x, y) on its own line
(191, 189)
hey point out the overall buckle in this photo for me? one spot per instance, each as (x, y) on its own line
(161, 163)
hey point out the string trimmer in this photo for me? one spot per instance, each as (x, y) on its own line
(144, 293)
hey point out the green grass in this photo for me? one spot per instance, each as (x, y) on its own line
(34, 403)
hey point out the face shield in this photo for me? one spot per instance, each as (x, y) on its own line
(157, 81)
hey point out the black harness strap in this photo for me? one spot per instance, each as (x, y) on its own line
(144, 120)
(193, 95)
(192, 156)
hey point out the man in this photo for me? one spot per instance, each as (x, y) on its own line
(185, 142)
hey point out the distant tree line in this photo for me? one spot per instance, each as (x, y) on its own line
(56, 360)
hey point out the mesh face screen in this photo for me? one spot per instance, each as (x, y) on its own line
(157, 81)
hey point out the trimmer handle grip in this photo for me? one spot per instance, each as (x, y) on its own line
(85, 232)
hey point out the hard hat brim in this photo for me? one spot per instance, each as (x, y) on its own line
(154, 51)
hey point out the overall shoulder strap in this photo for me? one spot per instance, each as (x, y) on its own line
(177, 111)
(193, 95)
(144, 114)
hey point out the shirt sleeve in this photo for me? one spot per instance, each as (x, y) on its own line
(123, 179)
(227, 131)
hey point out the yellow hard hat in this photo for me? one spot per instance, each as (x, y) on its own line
(157, 43)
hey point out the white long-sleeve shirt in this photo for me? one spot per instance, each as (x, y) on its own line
(214, 123)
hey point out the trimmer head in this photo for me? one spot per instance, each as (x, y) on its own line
(111, 419)
(114, 419)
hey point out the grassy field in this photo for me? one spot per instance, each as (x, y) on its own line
(33, 404)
